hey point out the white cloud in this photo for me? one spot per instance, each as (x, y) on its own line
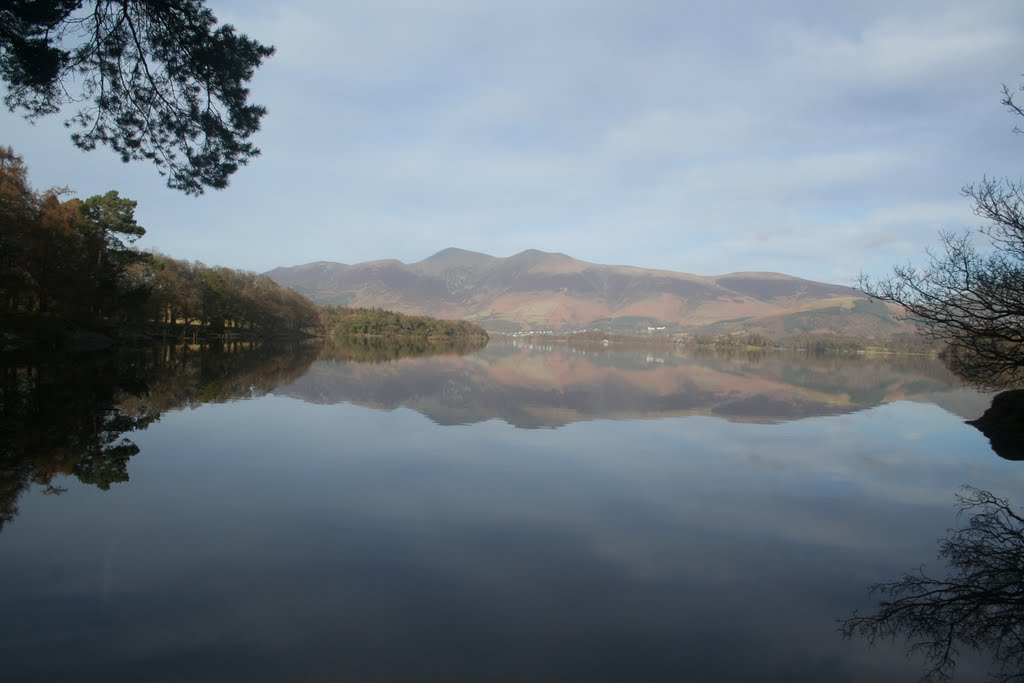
(801, 137)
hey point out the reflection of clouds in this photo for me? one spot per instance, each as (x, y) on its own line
(760, 460)
(331, 534)
(671, 469)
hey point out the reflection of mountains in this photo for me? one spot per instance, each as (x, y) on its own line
(552, 387)
(73, 416)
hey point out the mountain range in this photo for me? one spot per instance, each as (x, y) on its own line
(536, 290)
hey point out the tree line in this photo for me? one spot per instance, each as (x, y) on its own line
(71, 261)
(66, 261)
(375, 322)
(816, 344)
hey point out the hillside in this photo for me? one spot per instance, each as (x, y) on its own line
(536, 290)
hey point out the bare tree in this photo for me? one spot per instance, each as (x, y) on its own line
(972, 300)
(978, 606)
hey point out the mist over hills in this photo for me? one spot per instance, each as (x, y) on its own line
(536, 290)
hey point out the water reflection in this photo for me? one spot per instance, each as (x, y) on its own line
(73, 418)
(979, 606)
(276, 539)
(376, 350)
(554, 386)
(1003, 424)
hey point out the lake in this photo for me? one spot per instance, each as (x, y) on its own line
(522, 512)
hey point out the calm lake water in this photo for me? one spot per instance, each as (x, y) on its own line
(513, 514)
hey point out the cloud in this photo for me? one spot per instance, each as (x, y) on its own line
(672, 134)
(903, 50)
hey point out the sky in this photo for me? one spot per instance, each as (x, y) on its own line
(817, 139)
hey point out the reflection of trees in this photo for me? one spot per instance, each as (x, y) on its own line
(1003, 424)
(63, 421)
(979, 606)
(71, 418)
(381, 350)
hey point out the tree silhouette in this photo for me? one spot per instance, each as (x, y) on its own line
(978, 606)
(969, 299)
(76, 419)
(1003, 424)
(152, 80)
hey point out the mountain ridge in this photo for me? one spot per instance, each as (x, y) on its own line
(537, 290)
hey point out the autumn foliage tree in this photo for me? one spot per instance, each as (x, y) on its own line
(193, 298)
(18, 211)
(74, 261)
(64, 257)
(375, 322)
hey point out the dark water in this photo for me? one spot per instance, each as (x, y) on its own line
(512, 514)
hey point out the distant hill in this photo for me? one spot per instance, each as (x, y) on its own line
(536, 290)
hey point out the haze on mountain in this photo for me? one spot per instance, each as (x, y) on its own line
(536, 290)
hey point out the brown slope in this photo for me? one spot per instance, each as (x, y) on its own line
(776, 287)
(540, 290)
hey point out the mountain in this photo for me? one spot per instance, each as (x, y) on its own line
(536, 290)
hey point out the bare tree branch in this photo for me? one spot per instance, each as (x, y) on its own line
(970, 300)
(979, 606)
